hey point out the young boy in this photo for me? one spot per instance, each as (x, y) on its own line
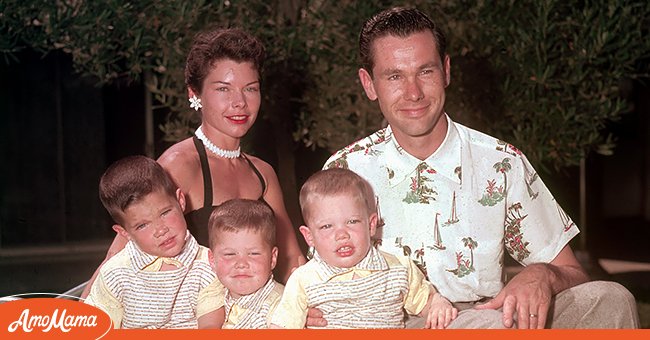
(162, 278)
(349, 280)
(243, 254)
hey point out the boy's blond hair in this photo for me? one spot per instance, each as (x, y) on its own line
(242, 214)
(335, 181)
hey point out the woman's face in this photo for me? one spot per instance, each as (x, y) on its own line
(230, 97)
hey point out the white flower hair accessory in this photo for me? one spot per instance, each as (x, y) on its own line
(195, 103)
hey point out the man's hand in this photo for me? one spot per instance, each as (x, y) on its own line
(528, 295)
(315, 318)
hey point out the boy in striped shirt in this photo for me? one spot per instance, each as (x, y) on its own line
(243, 254)
(162, 278)
(349, 280)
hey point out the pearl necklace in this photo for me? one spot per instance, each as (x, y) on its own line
(215, 149)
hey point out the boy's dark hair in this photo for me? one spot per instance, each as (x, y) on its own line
(335, 181)
(242, 214)
(216, 44)
(130, 179)
(400, 22)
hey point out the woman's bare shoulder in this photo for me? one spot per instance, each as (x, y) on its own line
(180, 152)
(265, 168)
(180, 160)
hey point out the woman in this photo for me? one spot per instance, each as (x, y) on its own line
(222, 75)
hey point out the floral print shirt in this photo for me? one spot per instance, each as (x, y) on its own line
(457, 212)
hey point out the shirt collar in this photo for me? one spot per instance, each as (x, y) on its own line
(148, 262)
(253, 301)
(373, 261)
(445, 161)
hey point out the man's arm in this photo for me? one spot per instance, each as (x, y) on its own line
(290, 256)
(529, 293)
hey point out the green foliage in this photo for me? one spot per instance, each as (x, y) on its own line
(336, 111)
(106, 39)
(113, 39)
(554, 69)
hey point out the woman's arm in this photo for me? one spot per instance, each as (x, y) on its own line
(182, 165)
(290, 255)
(118, 244)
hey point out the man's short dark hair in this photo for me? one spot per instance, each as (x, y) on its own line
(399, 22)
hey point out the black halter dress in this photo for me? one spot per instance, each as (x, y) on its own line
(197, 220)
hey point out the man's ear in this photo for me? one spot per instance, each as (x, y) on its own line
(274, 257)
(180, 197)
(368, 85)
(306, 233)
(120, 230)
(447, 66)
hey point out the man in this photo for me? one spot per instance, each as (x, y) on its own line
(454, 199)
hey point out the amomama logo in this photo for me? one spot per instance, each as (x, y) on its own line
(52, 318)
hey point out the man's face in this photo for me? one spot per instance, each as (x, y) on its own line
(409, 81)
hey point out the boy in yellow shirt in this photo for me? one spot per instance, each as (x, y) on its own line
(162, 278)
(349, 280)
(243, 254)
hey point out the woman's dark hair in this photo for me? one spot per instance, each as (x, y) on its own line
(217, 44)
